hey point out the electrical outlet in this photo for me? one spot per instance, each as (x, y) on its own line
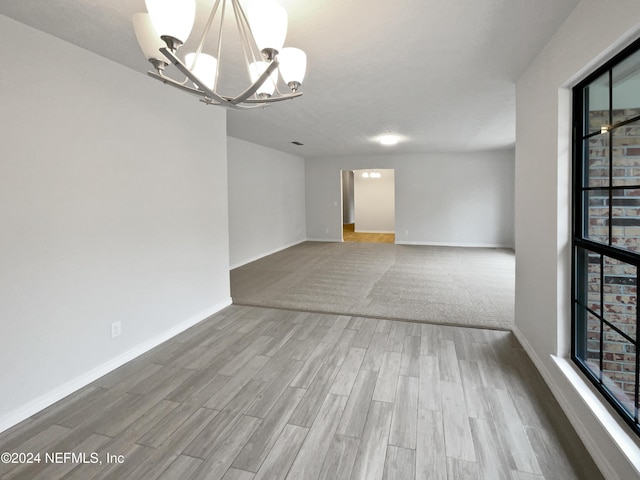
(116, 329)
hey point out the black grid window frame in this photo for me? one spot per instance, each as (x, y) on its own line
(582, 246)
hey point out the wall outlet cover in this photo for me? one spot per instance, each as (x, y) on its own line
(116, 329)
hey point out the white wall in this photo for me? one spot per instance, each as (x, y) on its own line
(592, 33)
(463, 199)
(266, 201)
(374, 200)
(113, 207)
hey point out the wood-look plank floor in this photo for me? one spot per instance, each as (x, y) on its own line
(263, 394)
(350, 235)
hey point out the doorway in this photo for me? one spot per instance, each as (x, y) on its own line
(368, 205)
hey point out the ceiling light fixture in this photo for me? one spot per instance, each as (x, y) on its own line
(262, 30)
(388, 139)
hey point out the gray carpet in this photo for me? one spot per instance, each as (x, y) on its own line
(447, 285)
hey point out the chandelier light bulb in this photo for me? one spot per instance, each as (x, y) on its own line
(205, 68)
(172, 19)
(292, 65)
(268, 22)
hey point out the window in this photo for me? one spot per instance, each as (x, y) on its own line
(606, 230)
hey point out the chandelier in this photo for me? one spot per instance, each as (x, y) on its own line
(261, 27)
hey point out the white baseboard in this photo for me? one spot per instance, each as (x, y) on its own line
(398, 242)
(265, 254)
(328, 240)
(454, 244)
(374, 231)
(13, 418)
(609, 422)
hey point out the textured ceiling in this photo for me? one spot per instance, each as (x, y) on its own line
(440, 73)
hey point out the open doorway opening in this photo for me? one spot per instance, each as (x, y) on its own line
(368, 205)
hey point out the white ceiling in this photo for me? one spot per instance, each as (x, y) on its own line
(441, 73)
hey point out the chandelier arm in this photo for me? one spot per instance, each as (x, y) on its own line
(286, 96)
(206, 30)
(180, 66)
(219, 46)
(241, 17)
(160, 75)
(208, 101)
(176, 84)
(247, 40)
(257, 84)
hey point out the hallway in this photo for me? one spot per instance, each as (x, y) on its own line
(350, 235)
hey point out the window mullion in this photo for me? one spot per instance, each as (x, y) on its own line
(601, 355)
(610, 155)
(637, 389)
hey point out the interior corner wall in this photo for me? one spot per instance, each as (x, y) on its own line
(454, 199)
(266, 201)
(594, 32)
(113, 206)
